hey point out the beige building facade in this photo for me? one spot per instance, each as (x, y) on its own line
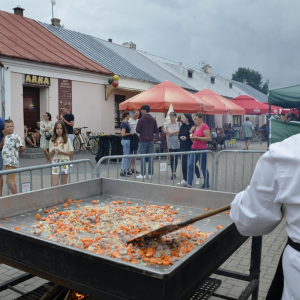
(26, 102)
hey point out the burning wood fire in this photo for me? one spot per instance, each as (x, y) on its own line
(78, 296)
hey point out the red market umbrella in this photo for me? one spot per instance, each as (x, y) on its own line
(252, 106)
(161, 96)
(222, 105)
(281, 111)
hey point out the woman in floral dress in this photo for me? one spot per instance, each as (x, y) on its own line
(46, 128)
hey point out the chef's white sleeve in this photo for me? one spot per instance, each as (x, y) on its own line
(254, 210)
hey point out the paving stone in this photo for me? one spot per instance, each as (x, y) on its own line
(267, 259)
(236, 291)
(271, 271)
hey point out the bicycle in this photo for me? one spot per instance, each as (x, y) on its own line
(80, 143)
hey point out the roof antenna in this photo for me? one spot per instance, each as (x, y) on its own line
(53, 2)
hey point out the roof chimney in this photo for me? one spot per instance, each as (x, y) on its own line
(207, 69)
(110, 40)
(18, 10)
(129, 45)
(55, 22)
(244, 81)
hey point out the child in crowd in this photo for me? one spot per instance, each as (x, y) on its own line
(61, 148)
(12, 148)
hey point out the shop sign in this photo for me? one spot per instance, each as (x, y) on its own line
(35, 79)
(26, 187)
(257, 110)
(64, 94)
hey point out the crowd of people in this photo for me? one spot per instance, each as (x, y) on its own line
(184, 135)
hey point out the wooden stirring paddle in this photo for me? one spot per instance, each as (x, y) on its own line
(170, 228)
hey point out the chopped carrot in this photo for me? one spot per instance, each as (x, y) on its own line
(43, 219)
(70, 201)
(129, 202)
(183, 216)
(77, 205)
(219, 227)
(115, 254)
(65, 205)
(5, 219)
(94, 201)
(226, 212)
(114, 202)
(37, 216)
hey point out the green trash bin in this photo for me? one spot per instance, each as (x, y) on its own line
(236, 134)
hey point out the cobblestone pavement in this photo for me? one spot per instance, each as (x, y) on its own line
(273, 245)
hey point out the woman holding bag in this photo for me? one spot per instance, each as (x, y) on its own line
(46, 133)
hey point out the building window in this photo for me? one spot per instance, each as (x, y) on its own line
(190, 74)
(212, 80)
(230, 85)
(118, 113)
(237, 121)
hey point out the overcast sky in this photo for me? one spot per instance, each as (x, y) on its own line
(258, 34)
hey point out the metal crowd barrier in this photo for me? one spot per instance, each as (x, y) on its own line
(234, 169)
(230, 170)
(162, 172)
(39, 177)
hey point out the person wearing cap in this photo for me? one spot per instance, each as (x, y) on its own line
(273, 195)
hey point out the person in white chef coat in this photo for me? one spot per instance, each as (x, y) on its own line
(274, 193)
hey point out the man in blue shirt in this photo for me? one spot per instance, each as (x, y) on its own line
(248, 129)
(1, 146)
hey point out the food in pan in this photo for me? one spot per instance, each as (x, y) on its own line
(105, 230)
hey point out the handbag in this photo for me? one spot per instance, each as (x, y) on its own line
(48, 136)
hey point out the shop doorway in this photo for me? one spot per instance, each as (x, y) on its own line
(31, 106)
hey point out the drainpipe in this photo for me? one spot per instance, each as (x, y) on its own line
(2, 90)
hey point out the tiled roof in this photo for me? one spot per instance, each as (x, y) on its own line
(25, 38)
(123, 61)
(249, 90)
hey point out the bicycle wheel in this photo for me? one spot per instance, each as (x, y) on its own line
(93, 145)
(76, 143)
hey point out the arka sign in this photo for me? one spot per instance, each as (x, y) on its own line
(35, 79)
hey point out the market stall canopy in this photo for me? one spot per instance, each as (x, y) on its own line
(276, 110)
(222, 105)
(252, 106)
(288, 97)
(161, 96)
(280, 130)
